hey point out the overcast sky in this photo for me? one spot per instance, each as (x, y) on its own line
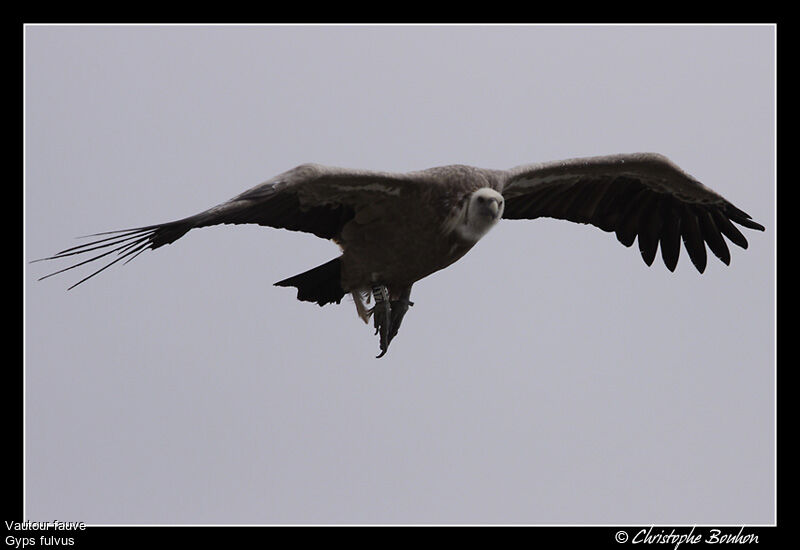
(548, 377)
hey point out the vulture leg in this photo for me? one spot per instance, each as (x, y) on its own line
(388, 314)
(382, 315)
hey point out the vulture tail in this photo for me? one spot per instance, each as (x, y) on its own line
(321, 285)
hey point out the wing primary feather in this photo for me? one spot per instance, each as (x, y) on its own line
(728, 229)
(130, 243)
(123, 256)
(650, 226)
(742, 218)
(126, 231)
(713, 237)
(748, 223)
(670, 234)
(88, 247)
(119, 250)
(692, 239)
(83, 247)
(134, 256)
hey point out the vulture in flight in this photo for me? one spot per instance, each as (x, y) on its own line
(397, 228)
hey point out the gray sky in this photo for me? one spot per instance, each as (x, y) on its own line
(548, 377)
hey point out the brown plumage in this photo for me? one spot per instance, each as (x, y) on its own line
(395, 229)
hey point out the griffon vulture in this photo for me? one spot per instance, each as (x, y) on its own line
(395, 229)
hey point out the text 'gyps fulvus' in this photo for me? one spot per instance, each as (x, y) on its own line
(395, 229)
